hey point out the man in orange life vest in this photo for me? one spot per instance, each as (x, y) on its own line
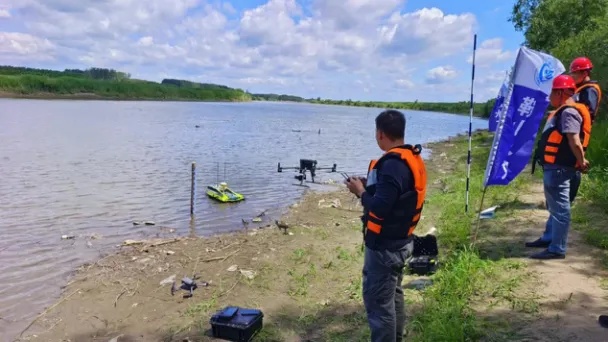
(561, 152)
(392, 196)
(589, 93)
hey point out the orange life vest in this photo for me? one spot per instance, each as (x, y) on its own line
(553, 146)
(405, 214)
(596, 86)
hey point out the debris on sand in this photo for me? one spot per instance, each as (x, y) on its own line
(333, 204)
(152, 243)
(488, 213)
(68, 237)
(115, 339)
(168, 280)
(249, 274)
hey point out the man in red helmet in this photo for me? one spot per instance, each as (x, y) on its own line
(561, 152)
(589, 93)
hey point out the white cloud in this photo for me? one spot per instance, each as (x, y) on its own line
(427, 32)
(325, 45)
(146, 41)
(349, 14)
(16, 44)
(441, 74)
(404, 83)
(4, 13)
(488, 84)
(490, 52)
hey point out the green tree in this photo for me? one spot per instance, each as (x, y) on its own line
(546, 23)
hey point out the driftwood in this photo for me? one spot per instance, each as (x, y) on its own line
(222, 258)
(149, 243)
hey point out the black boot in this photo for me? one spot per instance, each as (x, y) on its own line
(538, 243)
(546, 255)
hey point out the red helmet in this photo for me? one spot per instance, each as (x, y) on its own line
(581, 63)
(564, 82)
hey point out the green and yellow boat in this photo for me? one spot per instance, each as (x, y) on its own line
(223, 193)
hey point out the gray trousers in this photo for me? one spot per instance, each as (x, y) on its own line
(383, 294)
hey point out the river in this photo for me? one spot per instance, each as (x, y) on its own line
(89, 169)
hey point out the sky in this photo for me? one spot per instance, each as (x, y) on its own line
(371, 50)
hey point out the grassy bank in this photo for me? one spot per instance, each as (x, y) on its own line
(106, 84)
(472, 280)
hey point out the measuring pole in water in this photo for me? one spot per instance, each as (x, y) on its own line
(192, 192)
(466, 206)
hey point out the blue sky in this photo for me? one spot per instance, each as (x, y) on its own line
(384, 50)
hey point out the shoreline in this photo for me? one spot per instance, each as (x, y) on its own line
(310, 199)
(95, 97)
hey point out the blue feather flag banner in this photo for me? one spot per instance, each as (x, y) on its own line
(525, 105)
(498, 104)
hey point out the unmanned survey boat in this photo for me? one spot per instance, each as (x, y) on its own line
(223, 193)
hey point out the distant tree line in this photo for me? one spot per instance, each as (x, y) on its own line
(277, 97)
(94, 73)
(109, 83)
(480, 109)
(190, 84)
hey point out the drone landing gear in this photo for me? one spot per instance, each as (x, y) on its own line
(306, 165)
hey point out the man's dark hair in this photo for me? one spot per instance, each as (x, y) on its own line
(392, 123)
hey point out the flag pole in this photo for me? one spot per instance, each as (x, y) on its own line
(483, 196)
(466, 206)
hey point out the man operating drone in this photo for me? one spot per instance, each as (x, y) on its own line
(392, 196)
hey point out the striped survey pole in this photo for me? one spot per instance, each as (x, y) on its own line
(466, 206)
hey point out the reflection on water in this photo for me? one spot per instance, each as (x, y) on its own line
(91, 168)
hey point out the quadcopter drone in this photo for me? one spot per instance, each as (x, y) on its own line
(306, 165)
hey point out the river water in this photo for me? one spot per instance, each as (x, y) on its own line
(89, 169)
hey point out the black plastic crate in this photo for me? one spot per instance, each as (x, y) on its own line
(424, 257)
(423, 265)
(237, 324)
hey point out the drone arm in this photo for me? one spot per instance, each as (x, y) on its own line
(281, 168)
(331, 169)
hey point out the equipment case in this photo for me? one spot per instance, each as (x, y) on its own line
(237, 324)
(424, 257)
